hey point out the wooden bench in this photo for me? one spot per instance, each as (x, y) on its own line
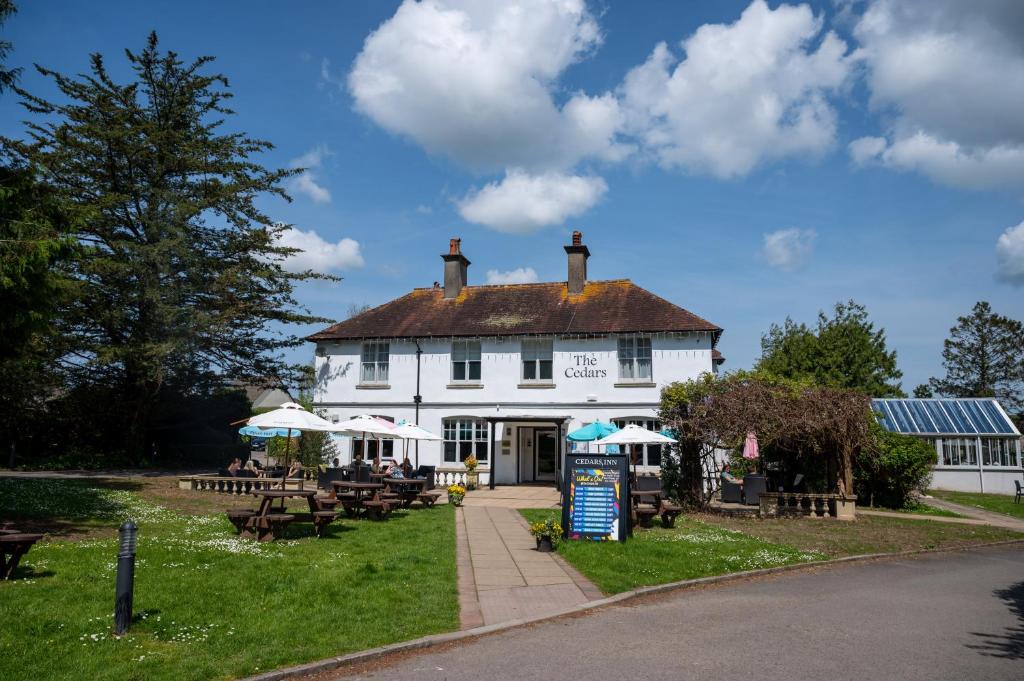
(321, 519)
(668, 515)
(327, 503)
(273, 525)
(377, 509)
(14, 545)
(645, 514)
(428, 498)
(240, 518)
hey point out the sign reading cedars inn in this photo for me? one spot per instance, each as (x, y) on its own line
(584, 365)
(596, 504)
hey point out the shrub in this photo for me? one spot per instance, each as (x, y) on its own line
(549, 527)
(897, 466)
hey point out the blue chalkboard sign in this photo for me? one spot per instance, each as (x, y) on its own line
(596, 503)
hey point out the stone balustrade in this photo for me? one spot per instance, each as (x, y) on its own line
(232, 485)
(781, 504)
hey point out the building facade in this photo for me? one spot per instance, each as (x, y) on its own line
(504, 372)
(977, 445)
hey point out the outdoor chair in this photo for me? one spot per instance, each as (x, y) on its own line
(647, 483)
(426, 473)
(326, 477)
(753, 487)
(1016, 499)
(732, 492)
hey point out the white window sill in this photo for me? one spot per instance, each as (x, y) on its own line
(536, 384)
(456, 385)
(636, 384)
(372, 386)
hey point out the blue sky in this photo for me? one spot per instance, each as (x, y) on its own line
(780, 159)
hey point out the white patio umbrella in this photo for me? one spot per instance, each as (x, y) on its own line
(292, 416)
(410, 431)
(633, 434)
(364, 425)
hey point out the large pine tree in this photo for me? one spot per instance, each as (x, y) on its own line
(181, 282)
(984, 357)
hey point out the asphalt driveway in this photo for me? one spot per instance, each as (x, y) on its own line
(943, 616)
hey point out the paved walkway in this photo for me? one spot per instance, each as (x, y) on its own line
(514, 496)
(503, 577)
(988, 517)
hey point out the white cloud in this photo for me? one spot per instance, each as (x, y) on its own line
(788, 249)
(867, 149)
(306, 181)
(520, 275)
(1010, 256)
(948, 76)
(317, 254)
(746, 92)
(476, 81)
(523, 203)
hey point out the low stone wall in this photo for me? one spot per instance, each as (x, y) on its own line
(233, 485)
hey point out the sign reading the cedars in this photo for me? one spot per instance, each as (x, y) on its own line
(596, 505)
(584, 365)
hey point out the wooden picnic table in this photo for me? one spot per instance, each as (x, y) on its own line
(359, 491)
(14, 545)
(266, 525)
(407, 488)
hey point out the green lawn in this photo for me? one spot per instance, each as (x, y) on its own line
(998, 503)
(210, 605)
(656, 556)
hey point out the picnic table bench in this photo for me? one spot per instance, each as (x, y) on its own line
(428, 498)
(14, 545)
(407, 489)
(352, 496)
(264, 524)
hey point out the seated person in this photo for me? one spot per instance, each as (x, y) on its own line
(294, 469)
(336, 463)
(727, 475)
(406, 467)
(236, 465)
(393, 470)
(248, 471)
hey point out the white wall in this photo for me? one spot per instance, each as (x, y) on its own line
(997, 480)
(673, 358)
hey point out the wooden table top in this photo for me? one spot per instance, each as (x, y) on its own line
(342, 484)
(406, 481)
(283, 493)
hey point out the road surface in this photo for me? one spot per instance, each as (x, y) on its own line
(942, 616)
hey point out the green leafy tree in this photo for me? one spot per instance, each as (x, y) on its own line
(181, 282)
(984, 357)
(923, 391)
(842, 351)
(893, 469)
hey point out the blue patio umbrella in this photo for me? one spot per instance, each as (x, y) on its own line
(595, 431)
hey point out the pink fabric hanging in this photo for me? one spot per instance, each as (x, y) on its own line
(750, 448)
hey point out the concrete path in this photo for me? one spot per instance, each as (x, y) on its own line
(503, 577)
(514, 496)
(938, 617)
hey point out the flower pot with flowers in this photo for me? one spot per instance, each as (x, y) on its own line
(456, 493)
(547, 532)
(472, 477)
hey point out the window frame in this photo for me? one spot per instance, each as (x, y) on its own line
(467, 361)
(635, 350)
(453, 430)
(532, 352)
(373, 358)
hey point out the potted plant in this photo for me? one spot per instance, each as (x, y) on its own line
(547, 533)
(456, 493)
(472, 477)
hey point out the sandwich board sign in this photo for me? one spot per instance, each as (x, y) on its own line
(596, 503)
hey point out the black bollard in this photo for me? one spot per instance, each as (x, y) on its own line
(125, 578)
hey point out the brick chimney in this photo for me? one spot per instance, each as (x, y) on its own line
(455, 269)
(578, 254)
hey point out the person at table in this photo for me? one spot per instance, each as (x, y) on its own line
(248, 470)
(235, 466)
(294, 469)
(336, 463)
(406, 467)
(375, 466)
(395, 471)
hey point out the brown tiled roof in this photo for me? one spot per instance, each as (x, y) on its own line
(616, 306)
(716, 356)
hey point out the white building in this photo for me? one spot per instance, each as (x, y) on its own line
(504, 372)
(978, 447)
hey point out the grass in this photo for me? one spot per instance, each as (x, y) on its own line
(655, 556)
(868, 534)
(997, 503)
(706, 545)
(208, 604)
